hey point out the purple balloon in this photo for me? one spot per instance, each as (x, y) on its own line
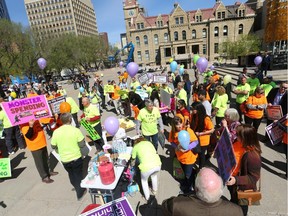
(121, 63)
(132, 69)
(41, 63)
(202, 64)
(111, 125)
(258, 60)
(212, 67)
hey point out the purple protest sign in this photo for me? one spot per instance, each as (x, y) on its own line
(225, 156)
(120, 207)
(22, 110)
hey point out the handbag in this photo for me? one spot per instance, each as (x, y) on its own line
(250, 195)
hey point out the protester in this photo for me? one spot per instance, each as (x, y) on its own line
(265, 63)
(67, 140)
(74, 110)
(207, 201)
(61, 91)
(180, 93)
(183, 113)
(253, 81)
(205, 102)
(150, 164)
(219, 104)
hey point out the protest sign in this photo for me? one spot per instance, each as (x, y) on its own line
(118, 207)
(108, 89)
(143, 78)
(165, 97)
(5, 168)
(23, 110)
(225, 156)
(54, 104)
(142, 93)
(274, 133)
(160, 79)
(274, 112)
(90, 130)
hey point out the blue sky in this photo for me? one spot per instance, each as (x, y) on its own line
(110, 16)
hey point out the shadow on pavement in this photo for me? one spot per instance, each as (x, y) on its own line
(277, 164)
(151, 208)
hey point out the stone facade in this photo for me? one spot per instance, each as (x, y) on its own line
(181, 34)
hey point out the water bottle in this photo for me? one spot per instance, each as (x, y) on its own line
(95, 168)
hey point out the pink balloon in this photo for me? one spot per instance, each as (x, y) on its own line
(41, 63)
(202, 64)
(111, 125)
(132, 69)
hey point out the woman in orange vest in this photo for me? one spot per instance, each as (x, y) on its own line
(187, 158)
(256, 104)
(182, 112)
(116, 97)
(202, 124)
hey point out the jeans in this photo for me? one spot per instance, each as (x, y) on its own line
(153, 139)
(74, 169)
(189, 178)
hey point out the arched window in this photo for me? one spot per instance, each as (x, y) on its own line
(216, 31)
(240, 29)
(204, 33)
(193, 34)
(225, 30)
(176, 36)
(137, 41)
(183, 35)
(156, 39)
(165, 37)
(145, 40)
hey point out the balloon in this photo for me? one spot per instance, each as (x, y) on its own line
(212, 67)
(195, 58)
(150, 75)
(184, 139)
(121, 63)
(13, 94)
(202, 64)
(171, 60)
(132, 69)
(173, 66)
(111, 125)
(258, 60)
(41, 63)
(227, 79)
(181, 70)
(81, 89)
(65, 107)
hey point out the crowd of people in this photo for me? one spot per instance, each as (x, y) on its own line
(203, 109)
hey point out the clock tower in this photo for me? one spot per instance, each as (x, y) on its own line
(131, 10)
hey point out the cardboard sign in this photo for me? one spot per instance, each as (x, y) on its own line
(274, 133)
(143, 78)
(54, 104)
(5, 168)
(142, 93)
(274, 112)
(225, 156)
(119, 207)
(90, 130)
(108, 89)
(165, 97)
(160, 79)
(23, 110)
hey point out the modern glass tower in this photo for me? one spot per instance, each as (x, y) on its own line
(3, 10)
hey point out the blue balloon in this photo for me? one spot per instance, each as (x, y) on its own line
(181, 70)
(81, 89)
(173, 66)
(184, 139)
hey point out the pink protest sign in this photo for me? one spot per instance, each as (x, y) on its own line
(22, 110)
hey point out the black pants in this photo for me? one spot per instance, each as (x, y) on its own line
(202, 158)
(99, 143)
(40, 157)
(74, 169)
(11, 134)
(126, 107)
(239, 112)
(219, 120)
(103, 105)
(253, 122)
(75, 118)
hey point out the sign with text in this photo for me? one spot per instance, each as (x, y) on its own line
(143, 78)
(274, 112)
(22, 110)
(5, 168)
(54, 104)
(225, 156)
(142, 93)
(160, 79)
(165, 97)
(275, 134)
(90, 130)
(118, 207)
(108, 89)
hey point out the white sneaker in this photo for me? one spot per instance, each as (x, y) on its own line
(11, 153)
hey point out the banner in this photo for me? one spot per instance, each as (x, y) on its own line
(274, 112)
(274, 133)
(160, 79)
(143, 78)
(118, 207)
(22, 110)
(5, 168)
(90, 130)
(54, 104)
(108, 89)
(165, 97)
(225, 156)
